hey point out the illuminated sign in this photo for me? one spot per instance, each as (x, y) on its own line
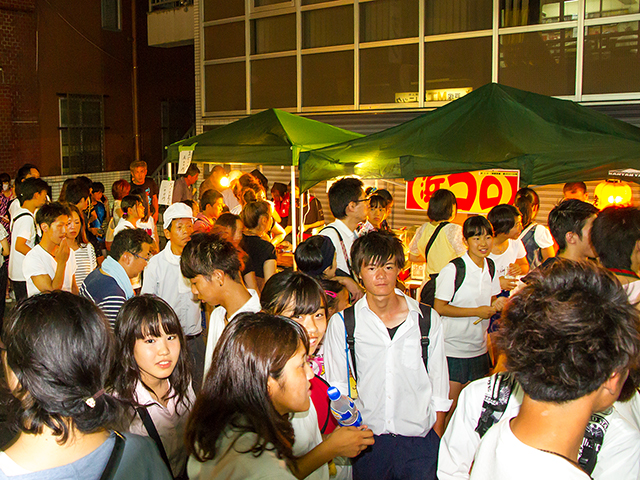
(446, 94)
(476, 192)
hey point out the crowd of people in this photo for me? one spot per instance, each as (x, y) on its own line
(517, 358)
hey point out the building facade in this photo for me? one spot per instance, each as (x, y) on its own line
(333, 59)
(67, 99)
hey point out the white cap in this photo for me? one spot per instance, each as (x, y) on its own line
(177, 210)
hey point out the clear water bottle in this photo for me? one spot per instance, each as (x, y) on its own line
(343, 408)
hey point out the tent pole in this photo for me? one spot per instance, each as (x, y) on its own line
(302, 195)
(292, 210)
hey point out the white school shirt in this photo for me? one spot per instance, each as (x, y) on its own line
(307, 437)
(463, 338)
(40, 262)
(163, 277)
(217, 323)
(348, 237)
(170, 422)
(502, 456)
(541, 235)
(619, 457)
(395, 394)
(514, 251)
(24, 227)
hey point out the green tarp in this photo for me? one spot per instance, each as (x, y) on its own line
(271, 137)
(547, 139)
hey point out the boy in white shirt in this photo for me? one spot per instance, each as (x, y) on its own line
(32, 194)
(51, 265)
(212, 264)
(402, 379)
(466, 291)
(569, 336)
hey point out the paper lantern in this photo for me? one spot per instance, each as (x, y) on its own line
(613, 192)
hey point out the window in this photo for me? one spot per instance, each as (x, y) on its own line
(81, 133)
(273, 83)
(273, 34)
(225, 87)
(388, 19)
(451, 16)
(389, 74)
(611, 59)
(327, 26)
(220, 9)
(224, 41)
(327, 79)
(111, 15)
(515, 13)
(540, 62)
(455, 67)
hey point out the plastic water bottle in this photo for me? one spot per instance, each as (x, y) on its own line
(343, 408)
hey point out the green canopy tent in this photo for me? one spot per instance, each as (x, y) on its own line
(271, 137)
(547, 139)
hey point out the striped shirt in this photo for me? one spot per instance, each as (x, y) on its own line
(105, 292)
(85, 262)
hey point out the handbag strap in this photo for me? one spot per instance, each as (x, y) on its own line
(114, 460)
(153, 433)
(440, 226)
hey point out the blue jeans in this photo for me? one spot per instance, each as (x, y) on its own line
(394, 457)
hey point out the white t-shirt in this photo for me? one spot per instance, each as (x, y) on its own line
(463, 337)
(619, 457)
(632, 290)
(24, 227)
(40, 262)
(514, 251)
(307, 437)
(502, 456)
(122, 224)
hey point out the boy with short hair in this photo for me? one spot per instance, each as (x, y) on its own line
(51, 265)
(211, 207)
(32, 195)
(163, 277)
(403, 383)
(615, 236)
(213, 266)
(569, 336)
(577, 190)
(570, 225)
(349, 206)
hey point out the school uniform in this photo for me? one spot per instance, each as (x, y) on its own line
(466, 337)
(397, 398)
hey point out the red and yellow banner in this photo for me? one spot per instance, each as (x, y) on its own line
(476, 192)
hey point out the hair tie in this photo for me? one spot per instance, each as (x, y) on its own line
(91, 401)
(331, 294)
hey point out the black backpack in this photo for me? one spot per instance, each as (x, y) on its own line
(427, 296)
(495, 404)
(350, 326)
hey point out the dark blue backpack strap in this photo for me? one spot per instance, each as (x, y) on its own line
(461, 271)
(491, 265)
(495, 401)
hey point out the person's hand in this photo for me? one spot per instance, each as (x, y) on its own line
(485, 311)
(350, 441)
(62, 255)
(355, 290)
(508, 283)
(499, 303)
(514, 270)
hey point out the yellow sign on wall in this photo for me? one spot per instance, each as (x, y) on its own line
(476, 192)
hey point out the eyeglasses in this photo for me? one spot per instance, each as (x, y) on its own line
(146, 259)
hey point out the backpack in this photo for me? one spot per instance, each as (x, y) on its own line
(495, 404)
(534, 254)
(428, 293)
(350, 326)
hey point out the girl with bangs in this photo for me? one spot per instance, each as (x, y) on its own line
(300, 297)
(153, 374)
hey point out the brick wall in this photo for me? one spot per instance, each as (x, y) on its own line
(19, 128)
